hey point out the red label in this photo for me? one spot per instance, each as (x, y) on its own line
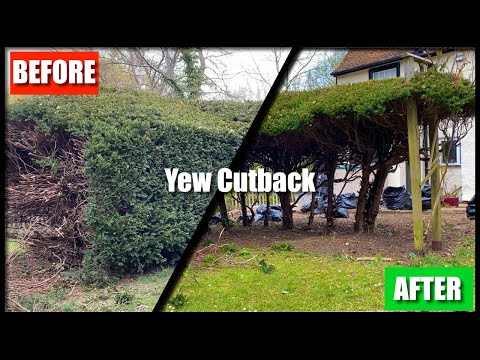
(54, 73)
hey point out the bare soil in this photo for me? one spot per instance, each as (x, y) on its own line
(392, 236)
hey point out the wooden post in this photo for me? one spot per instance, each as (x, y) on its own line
(414, 164)
(435, 185)
(414, 161)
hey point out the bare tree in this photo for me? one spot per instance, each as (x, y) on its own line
(314, 69)
(178, 72)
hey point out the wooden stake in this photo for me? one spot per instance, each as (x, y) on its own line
(414, 161)
(435, 185)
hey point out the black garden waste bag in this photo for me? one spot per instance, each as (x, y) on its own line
(397, 198)
(471, 209)
(261, 209)
(215, 219)
(348, 201)
(426, 197)
(274, 215)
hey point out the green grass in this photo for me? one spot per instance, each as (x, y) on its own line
(279, 246)
(300, 282)
(14, 246)
(130, 295)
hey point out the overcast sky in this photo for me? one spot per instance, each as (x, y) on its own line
(244, 72)
(249, 72)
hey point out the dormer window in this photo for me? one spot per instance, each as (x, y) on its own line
(384, 72)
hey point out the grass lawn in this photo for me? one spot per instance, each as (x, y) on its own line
(298, 281)
(136, 294)
(13, 246)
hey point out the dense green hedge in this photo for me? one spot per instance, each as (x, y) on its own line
(131, 137)
(232, 110)
(293, 110)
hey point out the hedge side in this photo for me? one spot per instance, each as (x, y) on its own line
(131, 137)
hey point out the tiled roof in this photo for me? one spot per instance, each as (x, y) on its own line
(357, 59)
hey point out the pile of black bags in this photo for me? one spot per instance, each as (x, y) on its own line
(471, 209)
(398, 198)
(275, 213)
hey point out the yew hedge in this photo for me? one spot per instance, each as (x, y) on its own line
(130, 137)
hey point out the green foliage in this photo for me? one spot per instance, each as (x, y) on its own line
(244, 252)
(94, 272)
(282, 246)
(145, 290)
(266, 267)
(124, 298)
(178, 300)
(293, 110)
(193, 74)
(231, 110)
(229, 249)
(206, 242)
(448, 92)
(131, 137)
(43, 302)
(47, 163)
(209, 259)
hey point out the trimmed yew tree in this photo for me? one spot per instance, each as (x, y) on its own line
(364, 124)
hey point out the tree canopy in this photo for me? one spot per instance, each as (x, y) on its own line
(379, 100)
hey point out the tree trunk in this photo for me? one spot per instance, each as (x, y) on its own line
(223, 211)
(312, 210)
(330, 170)
(287, 210)
(267, 212)
(243, 205)
(362, 196)
(373, 201)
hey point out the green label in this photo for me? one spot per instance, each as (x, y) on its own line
(429, 288)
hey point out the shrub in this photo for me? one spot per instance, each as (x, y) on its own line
(244, 252)
(229, 249)
(130, 137)
(282, 246)
(178, 301)
(209, 259)
(266, 267)
(206, 242)
(292, 111)
(123, 298)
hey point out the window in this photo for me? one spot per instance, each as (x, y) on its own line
(455, 156)
(384, 72)
(459, 57)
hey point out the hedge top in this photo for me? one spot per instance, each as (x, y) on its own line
(292, 110)
(79, 114)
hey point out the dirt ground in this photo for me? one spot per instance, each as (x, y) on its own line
(392, 237)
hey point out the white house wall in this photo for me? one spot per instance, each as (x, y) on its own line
(353, 77)
(462, 176)
(351, 187)
(468, 165)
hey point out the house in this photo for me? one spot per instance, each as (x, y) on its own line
(374, 64)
